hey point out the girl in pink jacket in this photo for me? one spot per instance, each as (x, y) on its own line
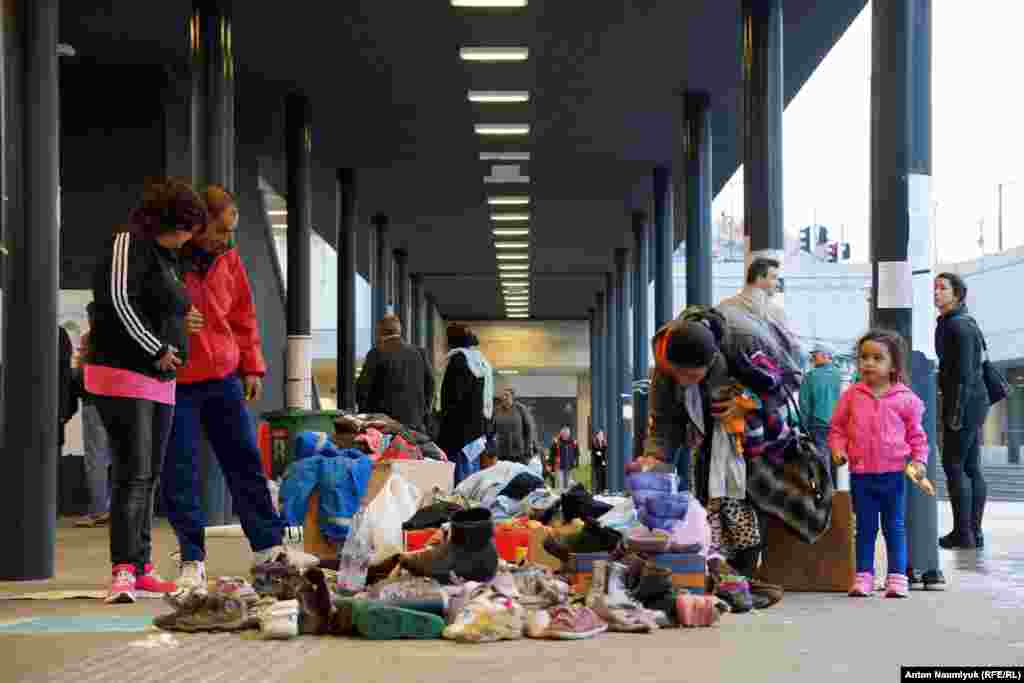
(876, 427)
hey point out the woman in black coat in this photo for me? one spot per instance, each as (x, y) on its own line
(958, 343)
(463, 424)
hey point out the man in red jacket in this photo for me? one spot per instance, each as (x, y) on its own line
(224, 370)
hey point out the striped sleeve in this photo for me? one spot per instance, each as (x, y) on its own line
(123, 285)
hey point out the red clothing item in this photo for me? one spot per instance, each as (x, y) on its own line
(230, 338)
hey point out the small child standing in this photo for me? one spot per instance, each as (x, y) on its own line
(877, 428)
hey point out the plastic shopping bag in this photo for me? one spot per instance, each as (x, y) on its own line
(693, 529)
(620, 518)
(396, 503)
(355, 556)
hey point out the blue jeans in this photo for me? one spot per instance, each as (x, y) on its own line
(882, 495)
(219, 406)
(97, 458)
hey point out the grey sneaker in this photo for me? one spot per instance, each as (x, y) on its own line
(217, 613)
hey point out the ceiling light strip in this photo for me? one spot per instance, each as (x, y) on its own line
(498, 96)
(476, 4)
(494, 54)
(509, 200)
(504, 156)
(502, 128)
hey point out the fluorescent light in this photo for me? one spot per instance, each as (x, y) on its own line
(514, 289)
(518, 315)
(498, 96)
(513, 276)
(279, 225)
(489, 3)
(510, 216)
(278, 212)
(502, 128)
(494, 54)
(511, 245)
(509, 200)
(511, 232)
(513, 266)
(517, 311)
(512, 300)
(514, 179)
(504, 156)
(513, 257)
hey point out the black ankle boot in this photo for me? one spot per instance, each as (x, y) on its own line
(471, 554)
(977, 516)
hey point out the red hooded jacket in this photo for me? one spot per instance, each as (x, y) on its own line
(230, 338)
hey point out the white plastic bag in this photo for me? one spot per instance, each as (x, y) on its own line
(622, 517)
(355, 556)
(396, 503)
(693, 529)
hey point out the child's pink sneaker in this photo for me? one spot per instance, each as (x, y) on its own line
(897, 586)
(151, 582)
(863, 584)
(122, 587)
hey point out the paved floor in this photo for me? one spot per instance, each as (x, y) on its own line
(979, 621)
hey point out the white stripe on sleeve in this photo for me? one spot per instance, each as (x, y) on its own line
(119, 295)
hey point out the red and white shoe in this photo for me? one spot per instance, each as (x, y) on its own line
(153, 584)
(122, 587)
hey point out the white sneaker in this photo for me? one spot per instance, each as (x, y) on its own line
(192, 575)
(281, 620)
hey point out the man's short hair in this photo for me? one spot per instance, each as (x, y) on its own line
(759, 268)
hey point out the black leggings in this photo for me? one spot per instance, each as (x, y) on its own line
(961, 461)
(138, 432)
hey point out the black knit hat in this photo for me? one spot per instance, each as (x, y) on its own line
(691, 345)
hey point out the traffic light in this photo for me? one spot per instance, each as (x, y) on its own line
(846, 251)
(833, 252)
(805, 240)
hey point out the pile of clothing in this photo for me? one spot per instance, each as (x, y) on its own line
(383, 438)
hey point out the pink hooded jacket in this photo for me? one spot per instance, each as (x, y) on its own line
(879, 434)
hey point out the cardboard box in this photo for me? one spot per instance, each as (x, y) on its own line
(425, 474)
(827, 566)
(688, 570)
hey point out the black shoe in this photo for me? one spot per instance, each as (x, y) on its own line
(471, 554)
(933, 580)
(961, 542)
(915, 579)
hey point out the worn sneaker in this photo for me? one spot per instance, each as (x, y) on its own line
(863, 585)
(152, 584)
(191, 575)
(574, 623)
(281, 553)
(897, 586)
(122, 588)
(934, 580)
(217, 613)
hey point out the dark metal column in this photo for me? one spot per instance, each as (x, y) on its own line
(697, 156)
(213, 93)
(592, 422)
(600, 344)
(403, 296)
(298, 148)
(612, 388)
(622, 363)
(662, 245)
(417, 311)
(346, 241)
(900, 219)
(429, 332)
(641, 277)
(382, 284)
(29, 508)
(762, 127)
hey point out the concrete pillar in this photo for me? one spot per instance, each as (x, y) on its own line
(298, 148)
(346, 241)
(900, 220)
(697, 183)
(612, 388)
(29, 506)
(762, 128)
(403, 295)
(662, 246)
(600, 372)
(641, 340)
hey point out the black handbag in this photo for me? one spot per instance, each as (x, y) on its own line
(995, 381)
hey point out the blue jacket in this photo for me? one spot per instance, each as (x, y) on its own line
(819, 394)
(342, 475)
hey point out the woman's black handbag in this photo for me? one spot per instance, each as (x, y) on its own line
(995, 381)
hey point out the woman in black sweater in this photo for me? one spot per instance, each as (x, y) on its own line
(958, 344)
(138, 342)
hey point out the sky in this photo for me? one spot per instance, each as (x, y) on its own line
(976, 139)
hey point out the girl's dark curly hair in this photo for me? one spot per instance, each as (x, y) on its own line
(167, 205)
(897, 348)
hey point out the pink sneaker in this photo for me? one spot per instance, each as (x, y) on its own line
(122, 588)
(863, 584)
(151, 582)
(897, 586)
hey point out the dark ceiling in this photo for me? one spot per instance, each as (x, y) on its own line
(388, 92)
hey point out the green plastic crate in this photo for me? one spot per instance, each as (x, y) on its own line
(286, 425)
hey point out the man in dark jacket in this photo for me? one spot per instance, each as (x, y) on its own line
(463, 418)
(397, 379)
(514, 430)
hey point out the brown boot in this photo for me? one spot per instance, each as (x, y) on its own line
(422, 561)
